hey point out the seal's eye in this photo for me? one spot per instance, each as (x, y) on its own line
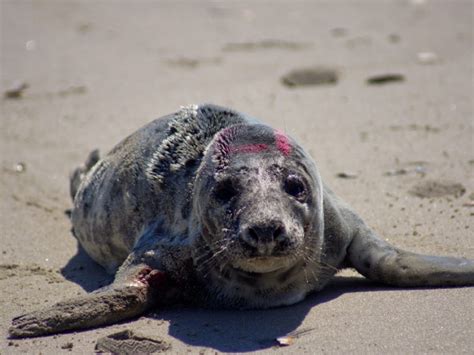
(295, 186)
(225, 190)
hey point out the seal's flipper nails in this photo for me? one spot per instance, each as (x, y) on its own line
(380, 261)
(80, 313)
(109, 305)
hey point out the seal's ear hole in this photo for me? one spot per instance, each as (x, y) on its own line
(295, 187)
(225, 190)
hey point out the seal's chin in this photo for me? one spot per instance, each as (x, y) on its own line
(262, 264)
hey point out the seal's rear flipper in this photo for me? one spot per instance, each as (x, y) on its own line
(78, 174)
(105, 306)
(380, 261)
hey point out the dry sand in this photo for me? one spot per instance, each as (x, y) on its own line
(96, 71)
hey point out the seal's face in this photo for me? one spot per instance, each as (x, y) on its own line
(259, 200)
(265, 202)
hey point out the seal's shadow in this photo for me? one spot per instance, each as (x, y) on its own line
(245, 331)
(223, 330)
(85, 272)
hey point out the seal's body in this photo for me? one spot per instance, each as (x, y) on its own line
(210, 206)
(146, 189)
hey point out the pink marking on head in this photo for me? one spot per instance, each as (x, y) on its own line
(282, 142)
(249, 148)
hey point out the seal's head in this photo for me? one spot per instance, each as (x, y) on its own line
(258, 201)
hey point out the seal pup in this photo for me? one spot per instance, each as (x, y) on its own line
(209, 206)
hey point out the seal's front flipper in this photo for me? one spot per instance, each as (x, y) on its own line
(112, 304)
(380, 261)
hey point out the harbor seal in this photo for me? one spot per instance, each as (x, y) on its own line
(209, 206)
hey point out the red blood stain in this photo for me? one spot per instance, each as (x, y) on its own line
(151, 277)
(282, 143)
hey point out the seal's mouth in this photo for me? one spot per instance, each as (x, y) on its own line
(262, 264)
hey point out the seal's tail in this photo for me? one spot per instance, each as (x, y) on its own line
(79, 173)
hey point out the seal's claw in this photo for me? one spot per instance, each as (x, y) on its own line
(27, 325)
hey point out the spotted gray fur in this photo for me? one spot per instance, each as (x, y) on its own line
(189, 132)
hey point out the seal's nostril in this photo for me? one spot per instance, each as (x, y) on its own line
(253, 234)
(265, 232)
(279, 232)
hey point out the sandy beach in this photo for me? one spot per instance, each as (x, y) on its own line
(379, 92)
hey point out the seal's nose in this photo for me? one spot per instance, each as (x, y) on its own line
(264, 237)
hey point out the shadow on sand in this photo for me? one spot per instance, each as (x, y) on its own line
(85, 272)
(252, 330)
(224, 330)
